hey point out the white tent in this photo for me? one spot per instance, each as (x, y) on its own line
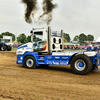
(98, 40)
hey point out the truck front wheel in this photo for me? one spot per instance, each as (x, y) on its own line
(29, 62)
(81, 64)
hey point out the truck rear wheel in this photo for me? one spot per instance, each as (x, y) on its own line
(3, 48)
(29, 62)
(81, 64)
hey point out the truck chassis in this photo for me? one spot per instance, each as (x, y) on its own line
(80, 63)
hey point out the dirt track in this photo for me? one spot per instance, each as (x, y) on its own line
(51, 83)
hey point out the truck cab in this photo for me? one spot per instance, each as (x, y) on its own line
(47, 48)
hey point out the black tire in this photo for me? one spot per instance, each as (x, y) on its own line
(8, 48)
(81, 64)
(29, 62)
(3, 48)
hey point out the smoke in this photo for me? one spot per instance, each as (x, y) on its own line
(48, 7)
(31, 8)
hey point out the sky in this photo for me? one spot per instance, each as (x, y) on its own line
(72, 16)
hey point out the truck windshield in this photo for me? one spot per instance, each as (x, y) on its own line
(38, 36)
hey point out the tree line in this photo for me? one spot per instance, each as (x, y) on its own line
(22, 38)
(81, 38)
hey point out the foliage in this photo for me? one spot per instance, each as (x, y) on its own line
(29, 38)
(64, 40)
(90, 37)
(1, 36)
(36, 38)
(7, 34)
(67, 37)
(76, 38)
(22, 38)
(82, 38)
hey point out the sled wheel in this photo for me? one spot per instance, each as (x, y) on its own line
(29, 62)
(81, 64)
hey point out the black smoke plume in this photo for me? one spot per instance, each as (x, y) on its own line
(48, 7)
(30, 9)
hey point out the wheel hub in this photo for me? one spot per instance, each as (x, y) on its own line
(80, 65)
(29, 62)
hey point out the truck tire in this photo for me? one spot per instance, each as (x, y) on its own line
(81, 64)
(3, 48)
(29, 62)
(8, 48)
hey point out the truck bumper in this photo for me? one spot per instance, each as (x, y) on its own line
(20, 59)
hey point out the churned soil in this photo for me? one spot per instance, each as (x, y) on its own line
(45, 83)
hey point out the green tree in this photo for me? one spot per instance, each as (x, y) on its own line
(67, 37)
(82, 38)
(22, 38)
(64, 40)
(76, 38)
(1, 36)
(28, 39)
(7, 34)
(90, 37)
(35, 38)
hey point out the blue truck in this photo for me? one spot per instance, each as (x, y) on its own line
(50, 51)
